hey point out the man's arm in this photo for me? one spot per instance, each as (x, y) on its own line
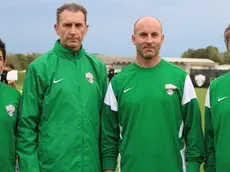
(29, 118)
(105, 80)
(192, 128)
(109, 132)
(209, 138)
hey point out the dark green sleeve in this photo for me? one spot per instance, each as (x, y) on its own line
(103, 74)
(192, 131)
(193, 135)
(209, 165)
(27, 131)
(105, 82)
(19, 98)
(109, 132)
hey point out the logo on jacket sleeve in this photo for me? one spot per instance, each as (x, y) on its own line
(170, 88)
(89, 77)
(10, 110)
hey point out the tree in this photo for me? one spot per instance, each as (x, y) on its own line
(187, 54)
(213, 53)
(209, 52)
(200, 53)
(21, 61)
(225, 58)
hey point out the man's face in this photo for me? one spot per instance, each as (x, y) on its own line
(148, 38)
(110, 66)
(71, 29)
(2, 62)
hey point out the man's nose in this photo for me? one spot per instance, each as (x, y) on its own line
(73, 30)
(149, 39)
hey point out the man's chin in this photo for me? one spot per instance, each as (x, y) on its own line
(74, 46)
(149, 56)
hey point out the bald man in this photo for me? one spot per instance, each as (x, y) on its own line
(151, 115)
(217, 121)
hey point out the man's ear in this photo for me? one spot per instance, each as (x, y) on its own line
(162, 38)
(134, 39)
(86, 29)
(56, 28)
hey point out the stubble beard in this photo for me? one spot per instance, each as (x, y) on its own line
(147, 56)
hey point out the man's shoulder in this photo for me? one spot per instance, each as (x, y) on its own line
(42, 60)
(94, 59)
(220, 81)
(124, 73)
(10, 90)
(111, 70)
(172, 68)
(98, 64)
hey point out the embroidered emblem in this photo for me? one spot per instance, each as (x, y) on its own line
(10, 110)
(170, 88)
(89, 77)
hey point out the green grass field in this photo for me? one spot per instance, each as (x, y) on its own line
(21, 76)
(201, 93)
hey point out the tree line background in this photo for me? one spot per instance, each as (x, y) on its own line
(209, 52)
(21, 61)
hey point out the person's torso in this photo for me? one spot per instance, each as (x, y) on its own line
(70, 115)
(149, 110)
(220, 111)
(111, 73)
(9, 104)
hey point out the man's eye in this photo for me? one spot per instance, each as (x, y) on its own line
(143, 34)
(78, 25)
(68, 25)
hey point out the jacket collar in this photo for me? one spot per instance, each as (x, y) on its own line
(64, 52)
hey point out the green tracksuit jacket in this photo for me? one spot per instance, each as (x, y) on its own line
(152, 118)
(217, 125)
(59, 125)
(9, 105)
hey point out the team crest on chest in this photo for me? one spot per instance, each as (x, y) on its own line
(10, 110)
(170, 88)
(89, 77)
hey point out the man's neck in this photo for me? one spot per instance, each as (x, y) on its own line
(147, 63)
(71, 48)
